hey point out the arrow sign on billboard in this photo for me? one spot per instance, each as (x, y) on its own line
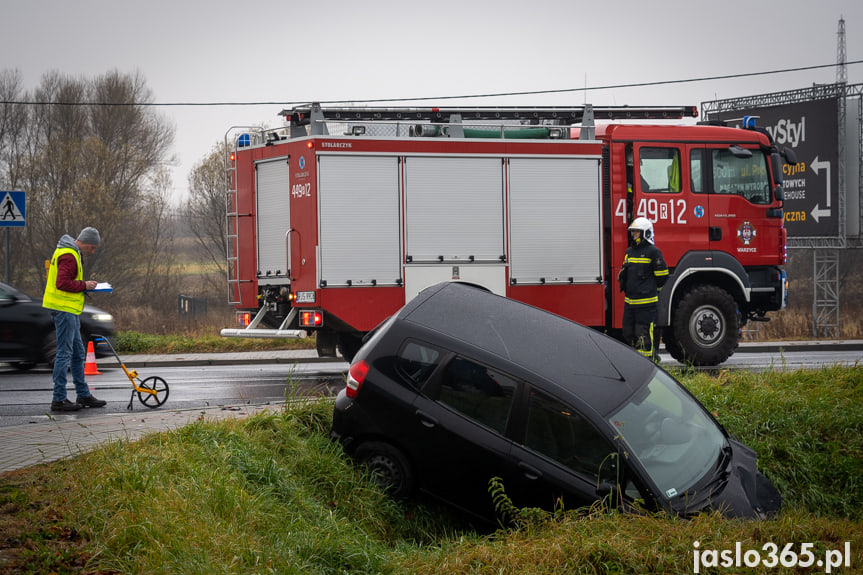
(816, 167)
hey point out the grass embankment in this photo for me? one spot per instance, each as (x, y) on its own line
(272, 494)
(136, 342)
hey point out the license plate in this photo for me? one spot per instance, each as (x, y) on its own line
(305, 297)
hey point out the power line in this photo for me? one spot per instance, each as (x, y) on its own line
(438, 98)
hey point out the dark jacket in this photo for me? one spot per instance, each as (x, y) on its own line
(643, 274)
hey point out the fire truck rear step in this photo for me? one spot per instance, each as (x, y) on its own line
(251, 330)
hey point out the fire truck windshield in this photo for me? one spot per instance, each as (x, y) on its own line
(741, 176)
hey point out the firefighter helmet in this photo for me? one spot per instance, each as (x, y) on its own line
(643, 225)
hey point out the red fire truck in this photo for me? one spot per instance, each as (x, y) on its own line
(342, 215)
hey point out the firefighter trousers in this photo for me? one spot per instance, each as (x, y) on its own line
(639, 329)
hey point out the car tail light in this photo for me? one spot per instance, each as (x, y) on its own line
(356, 376)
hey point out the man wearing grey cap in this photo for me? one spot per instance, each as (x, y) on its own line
(64, 294)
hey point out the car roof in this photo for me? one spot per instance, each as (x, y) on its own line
(576, 359)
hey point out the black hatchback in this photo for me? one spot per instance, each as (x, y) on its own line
(27, 333)
(462, 386)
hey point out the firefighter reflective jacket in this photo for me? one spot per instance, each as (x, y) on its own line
(643, 274)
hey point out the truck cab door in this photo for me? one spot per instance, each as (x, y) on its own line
(669, 191)
(744, 218)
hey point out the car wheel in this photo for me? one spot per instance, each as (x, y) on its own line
(389, 466)
(24, 365)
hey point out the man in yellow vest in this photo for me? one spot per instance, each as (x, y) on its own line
(64, 294)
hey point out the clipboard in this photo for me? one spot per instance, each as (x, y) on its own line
(103, 287)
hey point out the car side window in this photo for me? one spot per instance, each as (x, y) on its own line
(557, 431)
(416, 362)
(478, 392)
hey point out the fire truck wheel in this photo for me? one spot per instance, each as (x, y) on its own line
(672, 346)
(349, 345)
(706, 327)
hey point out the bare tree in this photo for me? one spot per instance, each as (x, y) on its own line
(13, 118)
(205, 211)
(91, 153)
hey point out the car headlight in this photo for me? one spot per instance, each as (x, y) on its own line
(102, 317)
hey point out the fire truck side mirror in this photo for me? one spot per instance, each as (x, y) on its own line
(778, 193)
(789, 155)
(776, 168)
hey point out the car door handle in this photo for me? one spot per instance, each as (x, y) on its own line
(426, 419)
(529, 471)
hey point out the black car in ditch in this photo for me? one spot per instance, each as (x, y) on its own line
(27, 329)
(462, 386)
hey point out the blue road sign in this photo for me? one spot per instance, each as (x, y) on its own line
(13, 209)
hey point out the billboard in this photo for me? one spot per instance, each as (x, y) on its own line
(810, 128)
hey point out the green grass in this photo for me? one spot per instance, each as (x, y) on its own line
(272, 494)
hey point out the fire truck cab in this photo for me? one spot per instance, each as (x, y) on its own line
(343, 215)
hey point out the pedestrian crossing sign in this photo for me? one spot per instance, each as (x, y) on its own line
(13, 209)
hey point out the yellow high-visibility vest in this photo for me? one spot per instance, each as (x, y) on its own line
(58, 299)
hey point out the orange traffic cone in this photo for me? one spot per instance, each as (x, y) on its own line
(90, 368)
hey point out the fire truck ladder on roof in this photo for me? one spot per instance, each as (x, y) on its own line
(316, 116)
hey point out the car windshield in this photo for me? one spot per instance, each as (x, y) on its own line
(670, 434)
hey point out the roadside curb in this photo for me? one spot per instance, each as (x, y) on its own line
(816, 345)
(196, 360)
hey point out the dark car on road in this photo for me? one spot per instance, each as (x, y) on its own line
(27, 335)
(462, 386)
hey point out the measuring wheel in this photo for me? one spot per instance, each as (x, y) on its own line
(156, 384)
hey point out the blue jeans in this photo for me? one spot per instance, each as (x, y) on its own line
(70, 350)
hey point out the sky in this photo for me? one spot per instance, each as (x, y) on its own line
(273, 54)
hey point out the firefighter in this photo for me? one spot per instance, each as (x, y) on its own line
(641, 278)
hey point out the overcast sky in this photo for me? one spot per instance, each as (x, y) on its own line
(195, 51)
